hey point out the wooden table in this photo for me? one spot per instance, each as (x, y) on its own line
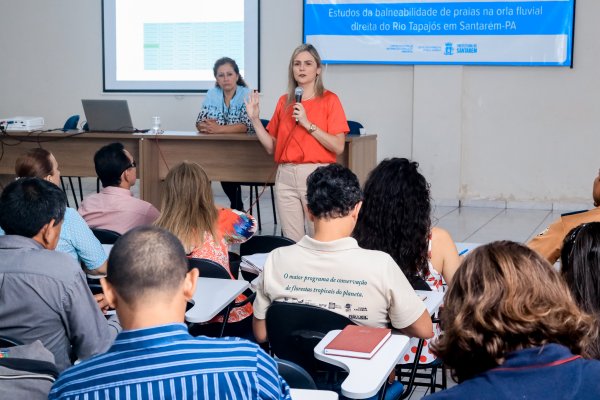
(230, 157)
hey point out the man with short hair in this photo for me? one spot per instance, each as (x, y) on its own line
(155, 357)
(549, 243)
(43, 293)
(331, 271)
(115, 208)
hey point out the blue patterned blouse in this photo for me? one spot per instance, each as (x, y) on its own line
(214, 108)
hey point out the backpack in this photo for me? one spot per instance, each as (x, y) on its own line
(27, 372)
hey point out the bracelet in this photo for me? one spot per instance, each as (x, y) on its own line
(312, 128)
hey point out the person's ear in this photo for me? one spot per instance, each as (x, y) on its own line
(48, 178)
(109, 293)
(311, 217)
(189, 283)
(49, 235)
(125, 176)
(356, 210)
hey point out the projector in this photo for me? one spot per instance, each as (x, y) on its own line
(22, 123)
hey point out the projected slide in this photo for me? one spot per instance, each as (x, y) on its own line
(191, 46)
(537, 32)
(153, 45)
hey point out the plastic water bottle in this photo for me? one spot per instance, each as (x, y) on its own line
(156, 125)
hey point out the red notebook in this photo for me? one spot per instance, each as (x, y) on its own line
(358, 341)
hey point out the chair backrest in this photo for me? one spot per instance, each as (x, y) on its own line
(234, 263)
(106, 236)
(419, 283)
(71, 123)
(295, 376)
(354, 127)
(295, 329)
(264, 244)
(208, 268)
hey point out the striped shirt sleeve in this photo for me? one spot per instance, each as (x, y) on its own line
(270, 384)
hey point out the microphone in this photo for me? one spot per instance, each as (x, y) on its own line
(298, 92)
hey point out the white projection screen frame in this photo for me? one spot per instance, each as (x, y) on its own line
(158, 46)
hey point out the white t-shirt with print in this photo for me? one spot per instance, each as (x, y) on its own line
(366, 286)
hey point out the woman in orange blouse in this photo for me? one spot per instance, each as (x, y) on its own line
(189, 212)
(303, 135)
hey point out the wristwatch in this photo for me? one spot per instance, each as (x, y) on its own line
(312, 128)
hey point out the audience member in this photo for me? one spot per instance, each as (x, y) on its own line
(76, 238)
(189, 212)
(550, 241)
(115, 208)
(513, 331)
(44, 294)
(396, 218)
(364, 285)
(154, 357)
(580, 259)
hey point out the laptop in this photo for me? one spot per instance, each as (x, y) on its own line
(108, 116)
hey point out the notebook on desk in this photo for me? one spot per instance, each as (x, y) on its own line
(108, 116)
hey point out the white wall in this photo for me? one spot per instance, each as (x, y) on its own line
(507, 134)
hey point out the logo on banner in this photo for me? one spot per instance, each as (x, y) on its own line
(449, 49)
(466, 48)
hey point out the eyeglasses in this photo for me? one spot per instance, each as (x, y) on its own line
(132, 164)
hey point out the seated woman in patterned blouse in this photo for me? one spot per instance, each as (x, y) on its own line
(206, 231)
(396, 218)
(224, 111)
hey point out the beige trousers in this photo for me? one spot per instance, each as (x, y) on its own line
(290, 198)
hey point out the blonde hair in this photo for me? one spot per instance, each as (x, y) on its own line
(188, 210)
(319, 88)
(503, 298)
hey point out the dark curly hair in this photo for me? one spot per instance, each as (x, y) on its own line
(580, 259)
(395, 215)
(332, 191)
(503, 298)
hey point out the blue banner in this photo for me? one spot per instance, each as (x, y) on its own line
(462, 32)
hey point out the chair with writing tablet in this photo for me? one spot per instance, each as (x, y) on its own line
(295, 376)
(415, 373)
(295, 329)
(261, 244)
(211, 269)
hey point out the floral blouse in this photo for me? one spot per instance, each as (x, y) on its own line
(232, 227)
(436, 282)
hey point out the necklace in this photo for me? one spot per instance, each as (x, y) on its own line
(308, 98)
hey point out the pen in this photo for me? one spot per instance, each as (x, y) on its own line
(463, 252)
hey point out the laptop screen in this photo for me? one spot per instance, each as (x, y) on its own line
(107, 115)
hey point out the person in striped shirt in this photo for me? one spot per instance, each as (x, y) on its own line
(155, 357)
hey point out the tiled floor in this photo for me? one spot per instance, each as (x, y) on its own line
(465, 224)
